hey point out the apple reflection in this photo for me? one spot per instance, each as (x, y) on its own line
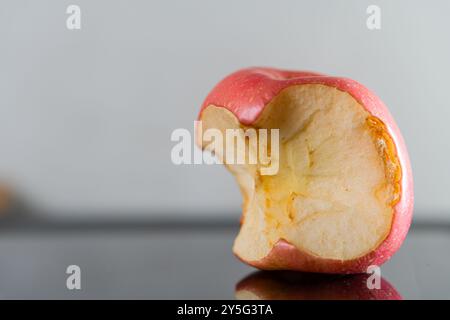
(289, 285)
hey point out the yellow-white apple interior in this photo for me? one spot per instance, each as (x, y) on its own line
(337, 183)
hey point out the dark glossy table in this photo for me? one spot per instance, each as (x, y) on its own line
(175, 260)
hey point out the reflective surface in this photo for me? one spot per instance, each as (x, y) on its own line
(289, 285)
(177, 261)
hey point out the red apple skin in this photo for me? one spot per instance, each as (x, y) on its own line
(247, 92)
(290, 285)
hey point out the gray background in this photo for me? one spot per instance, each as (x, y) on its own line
(86, 115)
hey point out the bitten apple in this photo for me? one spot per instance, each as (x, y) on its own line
(343, 195)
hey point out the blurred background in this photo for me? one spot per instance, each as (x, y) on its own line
(86, 115)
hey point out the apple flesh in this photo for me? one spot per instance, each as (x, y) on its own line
(288, 285)
(343, 196)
